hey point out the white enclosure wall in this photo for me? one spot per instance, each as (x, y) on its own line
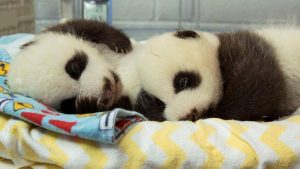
(142, 18)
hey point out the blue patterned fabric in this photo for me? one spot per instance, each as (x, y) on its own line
(105, 127)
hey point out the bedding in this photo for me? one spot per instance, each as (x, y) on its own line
(209, 143)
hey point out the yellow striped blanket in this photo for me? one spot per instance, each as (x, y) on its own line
(210, 143)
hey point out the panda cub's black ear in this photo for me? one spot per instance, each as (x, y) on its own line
(186, 34)
(76, 65)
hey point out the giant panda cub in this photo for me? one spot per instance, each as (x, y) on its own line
(64, 68)
(187, 75)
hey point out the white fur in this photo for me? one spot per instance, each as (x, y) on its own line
(126, 69)
(39, 69)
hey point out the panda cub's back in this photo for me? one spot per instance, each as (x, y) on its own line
(286, 44)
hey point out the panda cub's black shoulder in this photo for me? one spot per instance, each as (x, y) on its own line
(95, 32)
(254, 86)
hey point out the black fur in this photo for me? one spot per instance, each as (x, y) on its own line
(96, 32)
(89, 105)
(68, 106)
(186, 34)
(83, 104)
(146, 104)
(184, 80)
(76, 65)
(150, 106)
(254, 86)
(124, 103)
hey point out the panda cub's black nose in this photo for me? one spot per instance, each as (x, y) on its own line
(195, 114)
(192, 116)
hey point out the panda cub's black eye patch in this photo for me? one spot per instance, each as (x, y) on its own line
(184, 80)
(186, 34)
(76, 65)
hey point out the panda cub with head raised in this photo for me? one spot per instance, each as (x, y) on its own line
(187, 75)
(64, 68)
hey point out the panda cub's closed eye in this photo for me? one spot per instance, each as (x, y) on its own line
(76, 65)
(186, 80)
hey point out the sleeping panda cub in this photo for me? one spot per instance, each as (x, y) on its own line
(64, 68)
(187, 75)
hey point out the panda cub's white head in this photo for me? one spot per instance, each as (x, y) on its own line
(182, 70)
(63, 71)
